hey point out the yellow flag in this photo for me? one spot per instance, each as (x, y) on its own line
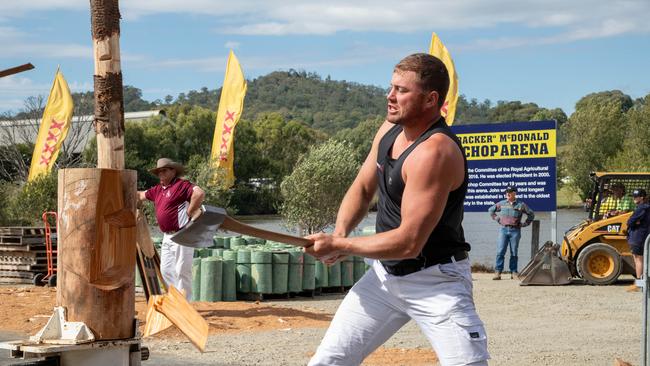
(440, 51)
(54, 127)
(231, 105)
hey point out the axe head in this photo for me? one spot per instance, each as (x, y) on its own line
(199, 233)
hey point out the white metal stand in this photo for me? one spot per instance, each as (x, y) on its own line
(73, 344)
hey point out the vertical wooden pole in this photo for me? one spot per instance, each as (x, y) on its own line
(534, 239)
(96, 260)
(109, 102)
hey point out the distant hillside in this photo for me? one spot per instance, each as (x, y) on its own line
(324, 104)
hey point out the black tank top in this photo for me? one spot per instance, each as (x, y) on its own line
(447, 238)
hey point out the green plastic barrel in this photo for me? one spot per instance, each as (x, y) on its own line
(359, 268)
(218, 241)
(334, 275)
(196, 279)
(244, 270)
(295, 270)
(237, 242)
(321, 275)
(217, 252)
(347, 271)
(204, 252)
(261, 272)
(280, 272)
(229, 275)
(226, 242)
(211, 289)
(308, 272)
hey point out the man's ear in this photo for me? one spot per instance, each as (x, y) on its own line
(432, 98)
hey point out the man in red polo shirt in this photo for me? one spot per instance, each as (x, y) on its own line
(177, 201)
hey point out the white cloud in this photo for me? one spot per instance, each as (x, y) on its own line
(232, 45)
(566, 20)
(278, 17)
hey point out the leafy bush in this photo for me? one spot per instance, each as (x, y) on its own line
(313, 191)
(26, 207)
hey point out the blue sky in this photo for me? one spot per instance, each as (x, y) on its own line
(549, 52)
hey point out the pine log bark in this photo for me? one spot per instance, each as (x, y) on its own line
(96, 249)
(109, 102)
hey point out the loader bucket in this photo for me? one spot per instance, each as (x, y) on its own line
(546, 268)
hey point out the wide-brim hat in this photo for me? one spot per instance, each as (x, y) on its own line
(168, 163)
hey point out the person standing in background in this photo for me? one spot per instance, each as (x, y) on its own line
(638, 227)
(511, 211)
(177, 201)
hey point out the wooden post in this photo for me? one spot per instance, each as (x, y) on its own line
(109, 102)
(96, 260)
(534, 240)
(97, 226)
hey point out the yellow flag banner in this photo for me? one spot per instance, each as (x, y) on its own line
(54, 127)
(231, 105)
(440, 51)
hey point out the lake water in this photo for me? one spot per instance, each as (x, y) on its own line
(480, 231)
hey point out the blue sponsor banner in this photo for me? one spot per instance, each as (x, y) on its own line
(520, 154)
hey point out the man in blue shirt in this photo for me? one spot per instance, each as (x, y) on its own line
(638, 226)
(510, 211)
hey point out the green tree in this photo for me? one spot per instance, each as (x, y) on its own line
(635, 152)
(473, 111)
(282, 142)
(361, 136)
(210, 178)
(594, 133)
(315, 188)
(513, 111)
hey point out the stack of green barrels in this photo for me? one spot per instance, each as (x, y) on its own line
(249, 265)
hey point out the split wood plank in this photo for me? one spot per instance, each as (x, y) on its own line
(144, 236)
(176, 308)
(149, 269)
(155, 321)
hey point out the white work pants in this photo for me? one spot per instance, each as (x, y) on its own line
(439, 299)
(176, 265)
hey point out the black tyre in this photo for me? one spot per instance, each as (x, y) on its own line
(38, 279)
(52, 281)
(599, 264)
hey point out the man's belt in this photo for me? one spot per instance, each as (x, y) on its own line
(403, 269)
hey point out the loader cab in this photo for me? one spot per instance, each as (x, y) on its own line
(612, 193)
(596, 250)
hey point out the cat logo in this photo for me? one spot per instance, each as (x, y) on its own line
(613, 228)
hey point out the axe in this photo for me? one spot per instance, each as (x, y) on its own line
(199, 232)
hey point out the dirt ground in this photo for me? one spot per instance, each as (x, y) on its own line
(25, 310)
(562, 325)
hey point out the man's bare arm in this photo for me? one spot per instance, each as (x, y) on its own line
(193, 209)
(142, 195)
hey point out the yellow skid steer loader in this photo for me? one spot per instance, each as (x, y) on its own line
(596, 249)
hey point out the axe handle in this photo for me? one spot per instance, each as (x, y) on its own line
(239, 227)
